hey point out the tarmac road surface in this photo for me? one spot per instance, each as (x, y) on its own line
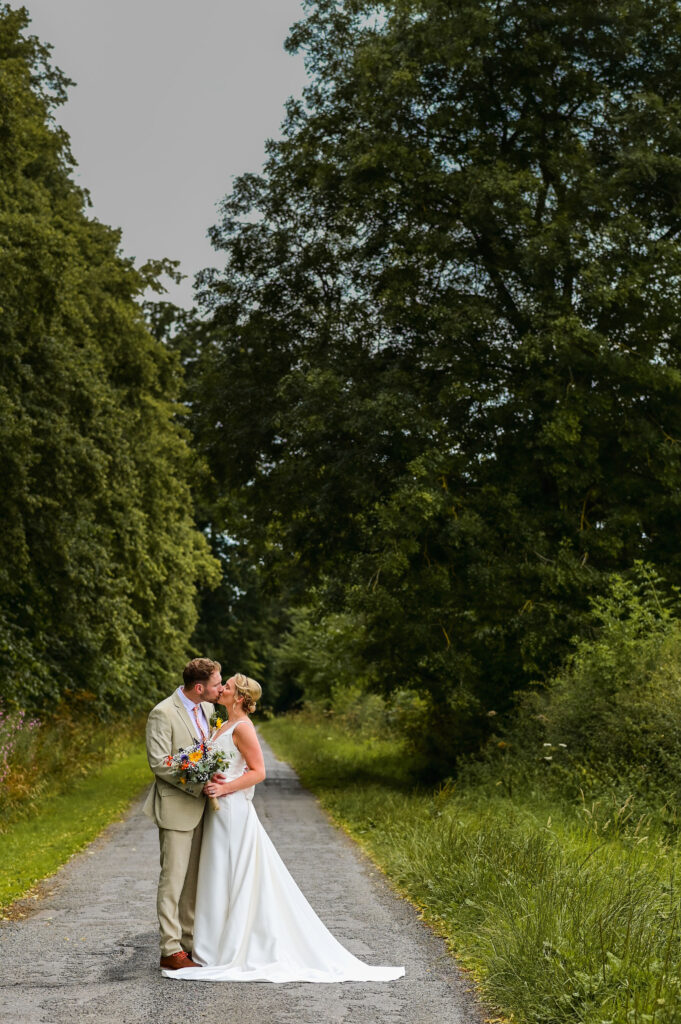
(88, 949)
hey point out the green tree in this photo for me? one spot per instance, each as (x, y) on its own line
(99, 555)
(447, 332)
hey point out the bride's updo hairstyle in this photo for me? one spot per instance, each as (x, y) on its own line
(249, 689)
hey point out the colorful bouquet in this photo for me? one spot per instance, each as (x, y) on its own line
(198, 763)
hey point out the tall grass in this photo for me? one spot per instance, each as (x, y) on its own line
(36, 845)
(38, 758)
(61, 782)
(566, 913)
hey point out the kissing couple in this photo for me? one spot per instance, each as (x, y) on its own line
(228, 909)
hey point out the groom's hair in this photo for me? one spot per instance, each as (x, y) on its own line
(198, 670)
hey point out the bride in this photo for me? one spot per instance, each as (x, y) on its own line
(252, 921)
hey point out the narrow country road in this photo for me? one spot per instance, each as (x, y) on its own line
(88, 951)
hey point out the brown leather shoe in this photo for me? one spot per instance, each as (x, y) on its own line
(176, 961)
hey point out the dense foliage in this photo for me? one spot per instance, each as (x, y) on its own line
(549, 862)
(438, 384)
(99, 557)
(611, 716)
(565, 913)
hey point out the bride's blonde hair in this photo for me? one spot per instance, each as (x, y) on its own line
(249, 689)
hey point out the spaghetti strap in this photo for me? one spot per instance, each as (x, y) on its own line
(222, 731)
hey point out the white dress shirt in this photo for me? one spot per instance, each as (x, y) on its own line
(190, 705)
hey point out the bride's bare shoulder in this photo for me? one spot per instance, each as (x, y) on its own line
(245, 734)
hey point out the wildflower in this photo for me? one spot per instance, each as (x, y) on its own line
(197, 763)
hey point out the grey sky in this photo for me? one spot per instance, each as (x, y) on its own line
(173, 98)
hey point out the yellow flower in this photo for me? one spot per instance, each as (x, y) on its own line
(195, 756)
(219, 723)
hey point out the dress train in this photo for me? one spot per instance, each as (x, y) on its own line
(252, 921)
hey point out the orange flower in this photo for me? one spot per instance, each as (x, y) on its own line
(195, 756)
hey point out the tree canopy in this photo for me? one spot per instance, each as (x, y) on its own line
(100, 557)
(439, 382)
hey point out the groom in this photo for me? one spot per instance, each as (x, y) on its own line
(178, 810)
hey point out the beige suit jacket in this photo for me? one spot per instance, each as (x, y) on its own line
(168, 803)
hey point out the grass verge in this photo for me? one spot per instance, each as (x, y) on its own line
(564, 914)
(35, 847)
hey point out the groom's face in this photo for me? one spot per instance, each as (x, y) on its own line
(212, 688)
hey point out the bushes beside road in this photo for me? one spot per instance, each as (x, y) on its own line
(549, 861)
(566, 912)
(61, 783)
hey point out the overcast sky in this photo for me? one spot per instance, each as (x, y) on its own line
(173, 98)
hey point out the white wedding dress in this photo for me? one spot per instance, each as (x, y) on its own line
(252, 921)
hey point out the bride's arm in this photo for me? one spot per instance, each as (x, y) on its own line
(246, 742)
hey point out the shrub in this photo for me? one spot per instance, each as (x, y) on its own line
(610, 719)
(37, 756)
(617, 700)
(317, 655)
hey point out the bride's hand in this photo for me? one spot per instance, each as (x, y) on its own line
(213, 788)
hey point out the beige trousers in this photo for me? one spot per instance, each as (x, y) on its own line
(177, 887)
